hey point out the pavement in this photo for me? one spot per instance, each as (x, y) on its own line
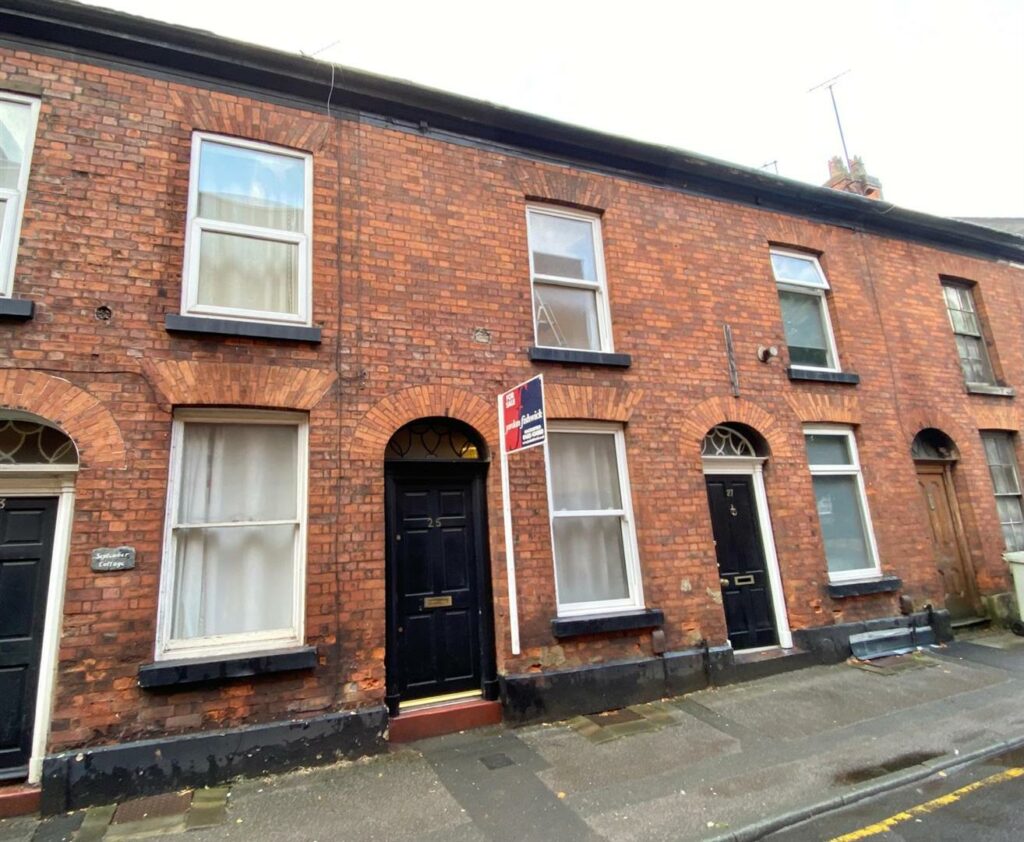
(724, 764)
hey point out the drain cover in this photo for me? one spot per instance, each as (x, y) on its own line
(497, 761)
(615, 717)
(172, 804)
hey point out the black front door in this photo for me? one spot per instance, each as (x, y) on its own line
(742, 572)
(437, 624)
(26, 545)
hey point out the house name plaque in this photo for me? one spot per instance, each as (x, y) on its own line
(106, 559)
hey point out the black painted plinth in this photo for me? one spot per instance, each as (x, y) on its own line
(90, 776)
(540, 697)
(170, 674)
(200, 325)
(832, 643)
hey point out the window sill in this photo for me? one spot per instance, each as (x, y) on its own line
(986, 389)
(180, 673)
(175, 323)
(16, 309)
(886, 584)
(846, 377)
(647, 618)
(566, 355)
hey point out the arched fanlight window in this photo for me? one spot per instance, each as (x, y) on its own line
(27, 442)
(727, 441)
(933, 445)
(439, 439)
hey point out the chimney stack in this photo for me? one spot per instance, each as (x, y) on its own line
(852, 180)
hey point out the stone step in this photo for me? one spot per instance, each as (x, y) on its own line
(436, 720)
(18, 800)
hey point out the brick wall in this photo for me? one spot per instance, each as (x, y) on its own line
(417, 243)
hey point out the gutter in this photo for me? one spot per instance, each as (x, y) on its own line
(90, 31)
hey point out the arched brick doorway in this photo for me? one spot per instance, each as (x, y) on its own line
(440, 629)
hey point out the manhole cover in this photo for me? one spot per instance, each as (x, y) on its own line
(497, 761)
(173, 804)
(615, 717)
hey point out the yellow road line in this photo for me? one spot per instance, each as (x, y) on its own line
(888, 824)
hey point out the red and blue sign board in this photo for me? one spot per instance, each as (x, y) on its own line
(522, 415)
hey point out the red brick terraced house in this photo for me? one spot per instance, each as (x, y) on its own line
(257, 312)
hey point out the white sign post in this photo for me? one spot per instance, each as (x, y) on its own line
(521, 425)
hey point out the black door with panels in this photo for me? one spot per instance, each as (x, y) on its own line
(26, 548)
(742, 571)
(439, 624)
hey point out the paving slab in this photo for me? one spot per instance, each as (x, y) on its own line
(390, 797)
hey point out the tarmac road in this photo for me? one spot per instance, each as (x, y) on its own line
(980, 802)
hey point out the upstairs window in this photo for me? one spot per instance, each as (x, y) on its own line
(970, 340)
(247, 253)
(805, 320)
(1002, 466)
(18, 117)
(570, 303)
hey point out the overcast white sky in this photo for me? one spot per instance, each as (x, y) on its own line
(933, 102)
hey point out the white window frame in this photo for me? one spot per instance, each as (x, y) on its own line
(850, 469)
(1009, 437)
(980, 336)
(635, 600)
(599, 287)
(814, 291)
(10, 225)
(229, 644)
(196, 225)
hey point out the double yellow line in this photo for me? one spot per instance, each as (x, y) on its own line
(888, 824)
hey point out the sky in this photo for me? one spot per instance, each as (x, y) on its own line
(932, 96)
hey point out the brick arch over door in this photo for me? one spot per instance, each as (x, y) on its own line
(380, 423)
(75, 411)
(928, 418)
(724, 410)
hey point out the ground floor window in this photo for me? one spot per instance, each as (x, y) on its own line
(234, 549)
(1002, 466)
(842, 505)
(596, 566)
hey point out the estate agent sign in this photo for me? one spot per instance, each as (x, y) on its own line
(523, 423)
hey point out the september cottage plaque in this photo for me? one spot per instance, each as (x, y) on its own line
(106, 559)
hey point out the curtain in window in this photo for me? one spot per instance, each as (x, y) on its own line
(248, 273)
(238, 578)
(256, 189)
(590, 560)
(15, 119)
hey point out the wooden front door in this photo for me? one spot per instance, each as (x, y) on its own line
(742, 570)
(26, 548)
(439, 624)
(935, 482)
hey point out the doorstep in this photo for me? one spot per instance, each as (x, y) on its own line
(19, 800)
(436, 720)
(761, 663)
